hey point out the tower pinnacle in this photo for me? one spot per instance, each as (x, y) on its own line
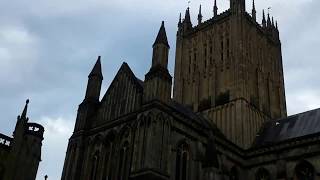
(187, 18)
(215, 8)
(254, 12)
(269, 21)
(96, 70)
(200, 15)
(94, 82)
(263, 19)
(25, 110)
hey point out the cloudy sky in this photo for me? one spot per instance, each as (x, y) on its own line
(47, 49)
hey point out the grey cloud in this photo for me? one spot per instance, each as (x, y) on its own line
(59, 42)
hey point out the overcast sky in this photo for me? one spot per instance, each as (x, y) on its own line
(47, 49)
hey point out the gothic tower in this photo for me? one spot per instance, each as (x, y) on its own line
(230, 69)
(158, 81)
(25, 153)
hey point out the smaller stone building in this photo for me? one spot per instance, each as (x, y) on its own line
(20, 155)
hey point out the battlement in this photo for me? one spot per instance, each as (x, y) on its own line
(35, 129)
(5, 141)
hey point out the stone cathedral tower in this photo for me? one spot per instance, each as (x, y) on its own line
(227, 118)
(230, 68)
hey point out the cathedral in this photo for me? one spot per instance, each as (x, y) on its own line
(223, 118)
(20, 155)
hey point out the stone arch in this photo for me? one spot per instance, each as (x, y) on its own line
(124, 133)
(110, 137)
(262, 174)
(183, 160)
(124, 151)
(107, 153)
(95, 161)
(304, 170)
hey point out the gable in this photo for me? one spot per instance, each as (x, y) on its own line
(123, 96)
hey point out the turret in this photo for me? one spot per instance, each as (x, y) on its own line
(94, 82)
(158, 81)
(215, 8)
(200, 16)
(254, 12)
(91, 100)
(25, 148)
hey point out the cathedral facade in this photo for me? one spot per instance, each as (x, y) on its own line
(20, 155)
(226, 118)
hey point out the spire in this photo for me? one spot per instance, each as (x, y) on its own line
(269, 21)
(96, 71)
(158, 81)
(254, 12)
(179, 19)
(187, 25)
(263, 19)
(187, 16)
(94, 82)
(162, 36)
(272, 23)
(25, 110)
(200, 15)
(215, 8)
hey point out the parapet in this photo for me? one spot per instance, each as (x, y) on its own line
(5, 141)
(35, 130)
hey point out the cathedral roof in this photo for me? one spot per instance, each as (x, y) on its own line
(196, 117)
(292, 127)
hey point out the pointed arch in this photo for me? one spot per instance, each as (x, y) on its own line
(94, 165)
(304, 170)
(108, 150)
(183, 157)
(123, 161)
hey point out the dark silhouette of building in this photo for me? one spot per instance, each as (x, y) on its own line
(227, 118)
(20, 155)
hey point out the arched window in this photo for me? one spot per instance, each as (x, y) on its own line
(234, 174)
(123, 161)
(262, 174)
(182, 162)
(107, 162)
(94, 166)
(304, 171)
